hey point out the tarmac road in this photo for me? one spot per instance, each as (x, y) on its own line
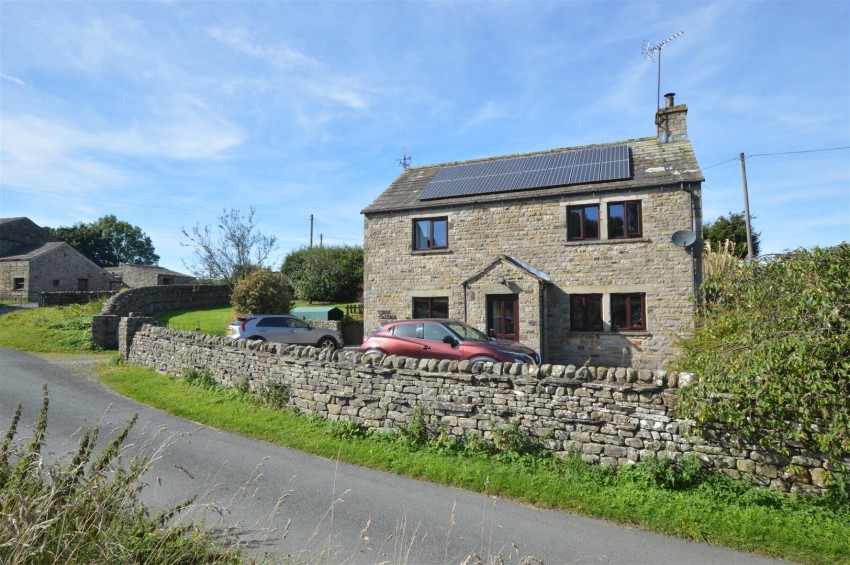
(280, 501)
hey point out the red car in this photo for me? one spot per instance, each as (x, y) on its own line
(444, 339)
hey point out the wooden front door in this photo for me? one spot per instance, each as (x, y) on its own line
(503, 316)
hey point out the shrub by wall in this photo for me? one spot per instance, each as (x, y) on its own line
(610, 416)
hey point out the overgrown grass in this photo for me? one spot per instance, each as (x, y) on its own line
(84, 508)
(677, 499)
(58, 329)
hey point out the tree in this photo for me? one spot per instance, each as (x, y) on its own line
(772, 357)
(233, 252)
(733, 228)
(109, 242)
(262, 291)
(332, 274)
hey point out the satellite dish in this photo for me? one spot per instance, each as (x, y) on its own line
(683, 238)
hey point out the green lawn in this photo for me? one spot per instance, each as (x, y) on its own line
(211, 321)
(214, 321)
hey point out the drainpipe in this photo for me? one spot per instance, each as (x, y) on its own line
(464, 302)
(542, 323)
(695, 285)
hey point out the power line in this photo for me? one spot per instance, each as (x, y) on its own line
(777, 153)
(802, 151)
(87, 198)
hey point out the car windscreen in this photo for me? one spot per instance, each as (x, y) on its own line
(467, 333)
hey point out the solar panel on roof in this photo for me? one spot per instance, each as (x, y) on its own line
(579, 166)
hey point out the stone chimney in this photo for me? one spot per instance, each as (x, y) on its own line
(672, 121)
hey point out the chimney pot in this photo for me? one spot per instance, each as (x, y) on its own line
(669, 98)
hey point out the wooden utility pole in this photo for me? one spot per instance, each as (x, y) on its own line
(747, 210)
(311, 230)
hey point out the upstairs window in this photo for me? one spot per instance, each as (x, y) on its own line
(586, 312)
(431, 233)
(582, 222)
(430, 307)
(628, 312)
(624, 220)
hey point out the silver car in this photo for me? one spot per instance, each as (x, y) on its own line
(283, 328)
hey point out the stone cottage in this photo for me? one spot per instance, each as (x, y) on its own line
(32, 262)
(569, 251)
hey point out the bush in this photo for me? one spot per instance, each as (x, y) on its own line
(772, 357)
(262, 292)
(330, 274)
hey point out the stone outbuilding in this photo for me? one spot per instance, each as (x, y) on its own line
(32, 262)
(137, 276)
(570, 251)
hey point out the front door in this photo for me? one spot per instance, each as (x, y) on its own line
(503, 316)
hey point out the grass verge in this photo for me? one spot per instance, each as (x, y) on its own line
(678, 500)
(64, 329)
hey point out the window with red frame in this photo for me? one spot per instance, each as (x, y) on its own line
(431, 307)
(628, 312)
(625, 220)
(586, 312)
(583, 222)
(431, 233)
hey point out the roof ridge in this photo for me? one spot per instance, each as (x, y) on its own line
(531, 153)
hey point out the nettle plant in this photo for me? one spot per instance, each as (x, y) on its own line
(772, 354)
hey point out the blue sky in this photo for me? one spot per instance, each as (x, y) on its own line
(167, 113)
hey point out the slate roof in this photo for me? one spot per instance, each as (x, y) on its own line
(26, 252)
(653, 164)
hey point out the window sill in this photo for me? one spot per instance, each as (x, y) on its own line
(608, 241)
(430, 251)
(594, 333)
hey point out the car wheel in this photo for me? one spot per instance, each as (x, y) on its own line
(482, 359)
(257, 338)
(327, 342)
(374, 352)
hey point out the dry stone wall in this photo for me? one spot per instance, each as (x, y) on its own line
(610, 416)
(150, 300)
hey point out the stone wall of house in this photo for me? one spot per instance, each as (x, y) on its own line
(608, 415)
(63, 269)
(73, 297)
(152, 300)
(9, 272)
(535, 233)
(138, 276)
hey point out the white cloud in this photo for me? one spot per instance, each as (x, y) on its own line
(489, 112)
(279, 55)
(15, 80)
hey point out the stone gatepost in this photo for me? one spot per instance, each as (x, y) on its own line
(127, 328)
(104, 331)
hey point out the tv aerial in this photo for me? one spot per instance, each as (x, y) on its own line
(404, 162)
(649, 51)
